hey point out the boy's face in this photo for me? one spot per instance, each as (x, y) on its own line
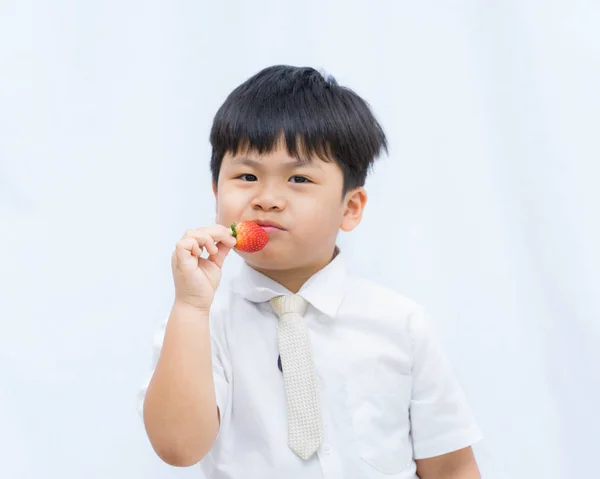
(303, 202)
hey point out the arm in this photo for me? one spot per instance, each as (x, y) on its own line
(442, 425)
(459, 464)
(180, 411)
(180, 406)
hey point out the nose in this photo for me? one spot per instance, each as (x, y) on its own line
(268, 199)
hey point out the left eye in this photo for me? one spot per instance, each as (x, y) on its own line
(299, 179)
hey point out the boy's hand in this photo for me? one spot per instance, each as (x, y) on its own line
(196, 278)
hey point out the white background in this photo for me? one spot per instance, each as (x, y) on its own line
(485, 210)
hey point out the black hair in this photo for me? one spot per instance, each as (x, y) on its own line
(310, 111)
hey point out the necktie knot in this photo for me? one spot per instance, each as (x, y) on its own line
(294, 304)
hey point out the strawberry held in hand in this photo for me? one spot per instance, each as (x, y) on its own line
(250, 236)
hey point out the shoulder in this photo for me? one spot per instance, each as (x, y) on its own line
(381, 299)
(221, 303)
(229, 308)
(220, 311)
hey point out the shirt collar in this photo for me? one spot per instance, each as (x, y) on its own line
(324, 290)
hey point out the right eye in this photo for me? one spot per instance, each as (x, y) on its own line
(247, 177)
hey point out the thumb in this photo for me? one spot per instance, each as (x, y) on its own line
(219, 257)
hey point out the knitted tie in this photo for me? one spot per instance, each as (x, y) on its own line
(305, 430)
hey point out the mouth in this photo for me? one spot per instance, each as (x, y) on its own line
(269, 226)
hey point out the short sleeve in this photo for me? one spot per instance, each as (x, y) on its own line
(219, 364)
(441, 420)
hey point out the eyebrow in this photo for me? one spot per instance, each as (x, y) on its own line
(242, 160)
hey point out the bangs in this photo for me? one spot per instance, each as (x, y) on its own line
(262, 137)
(312, 115)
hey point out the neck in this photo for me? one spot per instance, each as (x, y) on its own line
(294, 279)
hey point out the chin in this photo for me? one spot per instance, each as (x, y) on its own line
(266, 260)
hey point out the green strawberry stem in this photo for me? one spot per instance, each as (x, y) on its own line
(233, 230)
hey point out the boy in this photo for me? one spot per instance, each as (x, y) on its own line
(302, 370)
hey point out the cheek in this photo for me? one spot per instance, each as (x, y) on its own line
(318, 205)
(323, 216)
(229, 206)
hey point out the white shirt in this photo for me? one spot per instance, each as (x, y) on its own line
(387, 391)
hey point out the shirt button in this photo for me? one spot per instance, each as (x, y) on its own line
(327, 449)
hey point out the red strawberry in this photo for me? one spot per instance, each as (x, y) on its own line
(250, 236)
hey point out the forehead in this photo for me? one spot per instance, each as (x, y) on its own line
(278, 156)
(271, 159)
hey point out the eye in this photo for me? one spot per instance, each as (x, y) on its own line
(247, 177)
(299, 179)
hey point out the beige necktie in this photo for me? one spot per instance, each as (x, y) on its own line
(305, 430)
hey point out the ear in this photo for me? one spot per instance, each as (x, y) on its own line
(354, 206)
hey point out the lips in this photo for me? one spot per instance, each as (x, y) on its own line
(269, 225)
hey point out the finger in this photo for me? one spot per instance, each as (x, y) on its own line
(222, 234)
(219, 258)
(186, 248)
(196, 250)
(210, 235)
(203, 239)
(190, 245)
